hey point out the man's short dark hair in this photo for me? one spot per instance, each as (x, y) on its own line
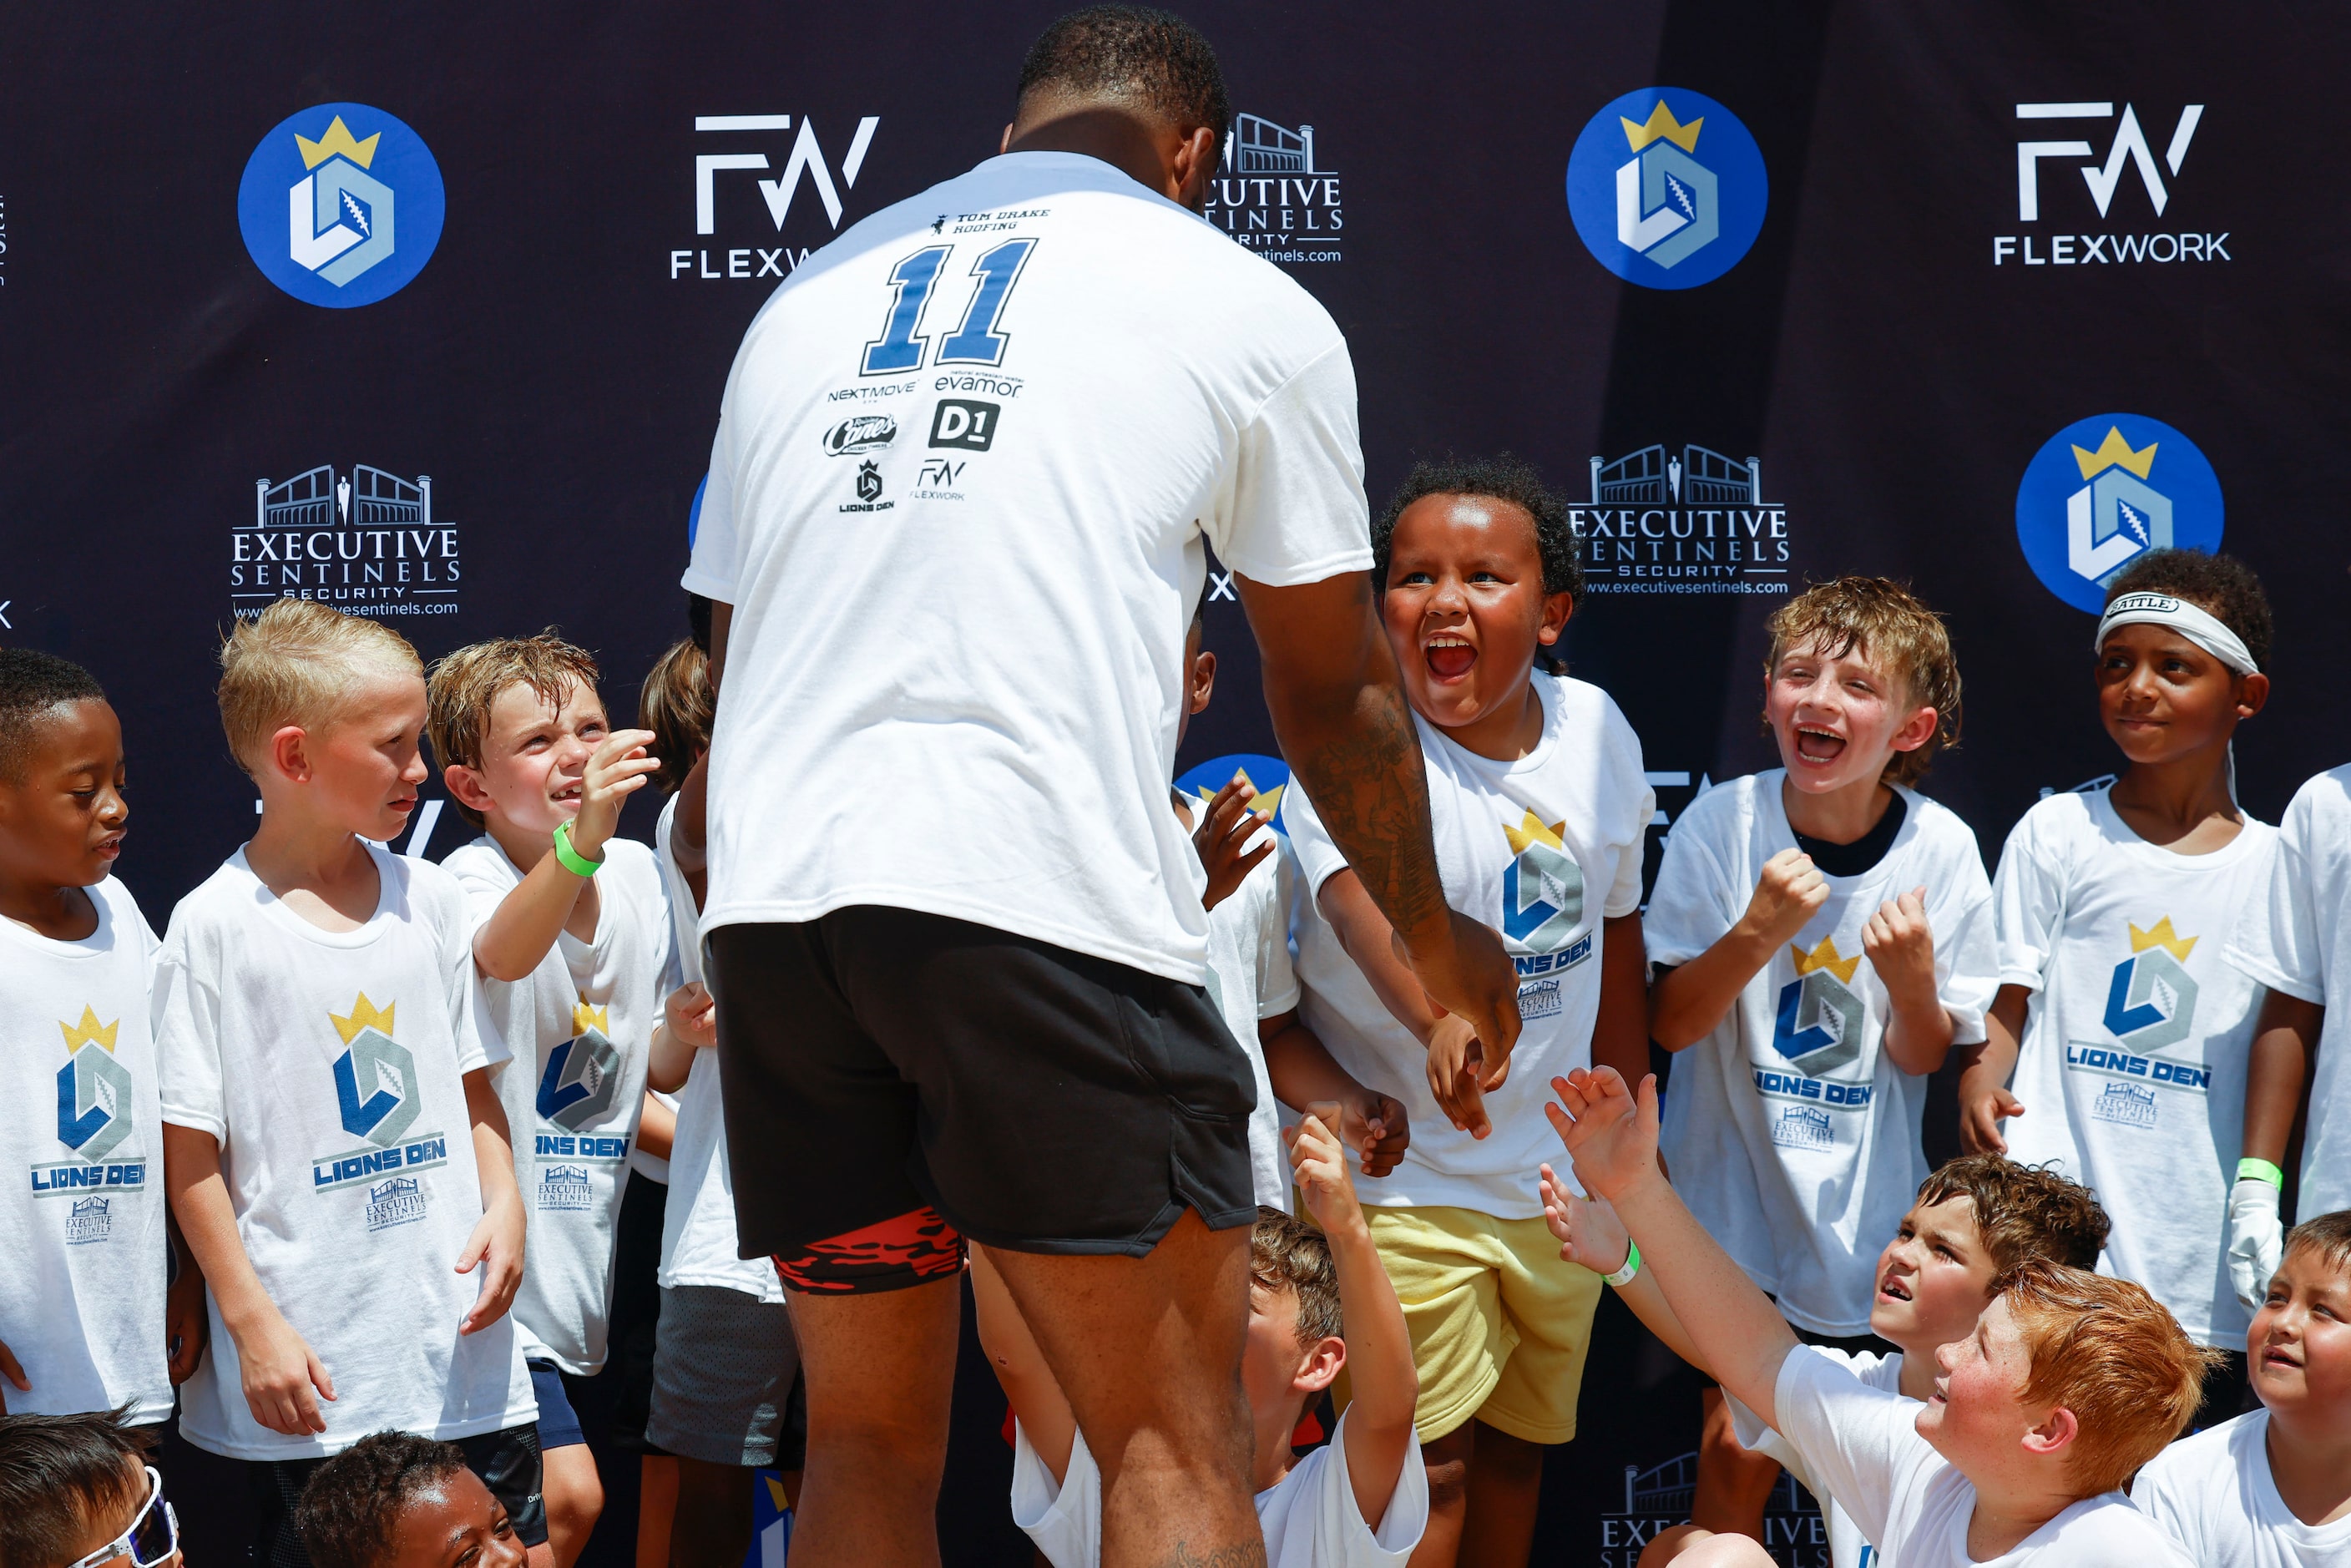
(1501, 477)
(2220, 585)
(1133, 52)
(61, 1474)
(31, 684)
(350, 1512)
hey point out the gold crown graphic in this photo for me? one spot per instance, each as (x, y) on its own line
(585, 1018)
(1662, 124)
(338, 139)
(1532, 830)
(2160, 934)
(363, 1016)
(88, 1032)
(1824, 956)
(2114, 452)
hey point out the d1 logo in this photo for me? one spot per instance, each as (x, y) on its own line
(376, 1077)
(1542, 887)
(2105, 490)
(93, 1090)
(2152, 1002)
(583, 1073)
(1666, 216)
(1819, 1023)
(341, 206)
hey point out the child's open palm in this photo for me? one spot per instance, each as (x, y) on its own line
(1588, 1230)
(1610, 1134)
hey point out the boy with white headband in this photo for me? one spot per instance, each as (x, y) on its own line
(2126, 1029)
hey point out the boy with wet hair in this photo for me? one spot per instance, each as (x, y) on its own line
(2069, 1382)
(78, 1491)
(1821, 935)
(87, 1321)
(1541, 812)
(1976, 1217)
(2125, 1027)
(2272, 1488)
(332, 1135)
(1319, 1301)
(398, 1501)
(571, 942)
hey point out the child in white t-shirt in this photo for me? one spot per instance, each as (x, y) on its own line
(2273, 1489)
(1822, 935)
(87, 1321)
(572, 946)
(2068, 1384)
(1319, 1301)
(334, 1147)
(1539, 810)
(1250, 978)
(2127, 1030)
(1974, 1218)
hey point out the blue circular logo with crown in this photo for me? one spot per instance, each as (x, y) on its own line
(2105, 490)
(341, 206)
(1667, 188)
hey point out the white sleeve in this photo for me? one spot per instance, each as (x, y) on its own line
(715, 563)
(2028, 908)
(1318, 858)
(1342, 1538)
(1625, 891)
(1277, 979)
(1297, 512)
(472, 1027)
(185, 1016)
(2159, 1495)
(1691, 905)
(1857, 1441)
(1966, 955)
(2277, 938)
(1064, 1520)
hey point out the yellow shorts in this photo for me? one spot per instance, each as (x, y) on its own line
(1499, 1325)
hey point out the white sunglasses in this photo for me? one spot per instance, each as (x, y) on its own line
(153, 1535)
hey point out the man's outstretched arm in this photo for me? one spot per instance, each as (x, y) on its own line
(1340, 716)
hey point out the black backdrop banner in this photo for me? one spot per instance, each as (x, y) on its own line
(428, 314)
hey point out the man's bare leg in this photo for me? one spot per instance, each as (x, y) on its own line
(1173, 1444)
(881, 1377)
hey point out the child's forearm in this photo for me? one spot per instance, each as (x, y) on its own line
(669, 1062)
(1732, 1329)
(2277, 1071)
(207, 1222)
(1368, 938)
(656, 1128)
(1380, 1369)
(1300, 1067)
(1688, 1002)
(522, 930)
(1918, 1031)
(493, 1142)
(1620, 1034)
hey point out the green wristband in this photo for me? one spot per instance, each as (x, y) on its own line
(573, 861)
(1623, 1276)
(2261, 1170)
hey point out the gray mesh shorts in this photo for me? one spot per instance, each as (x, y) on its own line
(723, 1363)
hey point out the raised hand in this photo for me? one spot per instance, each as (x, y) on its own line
(1610, 1133)
(1472, 978)
(1588, 1230)
(1318, 1163)
(692, 1015)
(1790, 892)
(1226, 827)
(1901, 947)
(1456, 1059)
(1375, 1126)
(616, 769)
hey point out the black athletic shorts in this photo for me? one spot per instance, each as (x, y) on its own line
(893, 1078)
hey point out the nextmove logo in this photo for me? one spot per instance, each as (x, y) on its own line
(1650, 205)
(2105, 490)
(340, 204)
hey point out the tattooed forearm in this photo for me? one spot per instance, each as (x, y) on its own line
(1241, 1554)
(1368, 784)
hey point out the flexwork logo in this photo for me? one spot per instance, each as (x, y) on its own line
(340, 204)
(1271, 196)
(727, 225)
(2109, 227)
(1667, 188)
(1692, 521)
(2104, 491)
(366, 542)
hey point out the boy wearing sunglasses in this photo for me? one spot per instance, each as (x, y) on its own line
(76, 1492)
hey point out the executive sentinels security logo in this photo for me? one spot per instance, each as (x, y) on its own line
(376, 1077)
(582, 1074)
(2104, 491)
(1649, 206)
(1270, 195)
(93, 1090)
(340, 204)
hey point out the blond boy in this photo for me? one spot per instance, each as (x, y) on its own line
(332, 1144)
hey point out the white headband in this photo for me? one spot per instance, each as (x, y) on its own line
(2191, 621)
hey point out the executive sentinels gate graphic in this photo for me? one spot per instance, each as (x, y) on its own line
(366, 542)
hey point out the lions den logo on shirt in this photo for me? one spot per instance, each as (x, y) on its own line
(1818, 1030)
(582, 1079)
(376, 1094)
(1543, 905)
(336, 217)
(2150, 1007)
(93, 1117)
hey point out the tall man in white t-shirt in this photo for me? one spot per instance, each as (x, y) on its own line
(969, 462)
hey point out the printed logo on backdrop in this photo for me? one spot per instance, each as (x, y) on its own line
(1689, 522)
(1667, 188)
(2104, 491)
(365, 541)
(94, 1120)
(1658, 1498)
(739, 216)
(2150, 1010)
(1271, 194)
(1268, 777)
(1815, 1064)
(341, 206)
(2057, 227)
(377, 1095)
